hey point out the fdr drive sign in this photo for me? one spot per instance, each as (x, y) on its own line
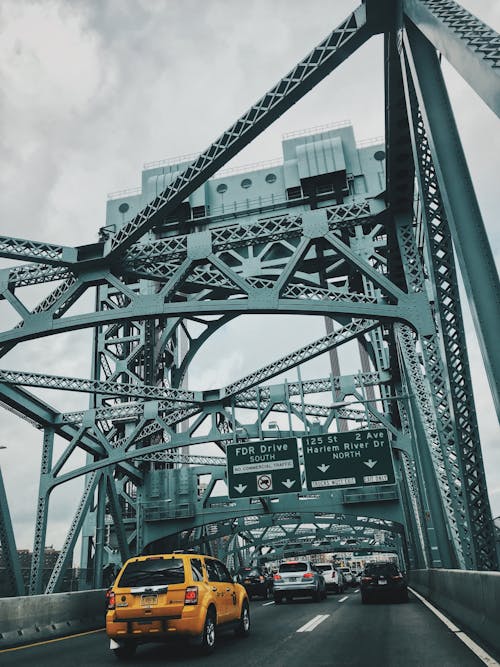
(355, 458)
(263, 468)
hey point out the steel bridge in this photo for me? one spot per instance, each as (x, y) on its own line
(362, 236)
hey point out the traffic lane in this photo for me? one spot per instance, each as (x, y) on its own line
(273, 629)
(339, 631)
(390, 634)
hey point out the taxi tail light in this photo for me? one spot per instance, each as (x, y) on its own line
(308, 575)
(191, 595)
(111, 600)
(276, 577)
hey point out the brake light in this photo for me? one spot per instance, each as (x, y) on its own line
(365, 580)
(397, 577)
(191, 595)
(276, 577)
(308, 575)
(111, 599)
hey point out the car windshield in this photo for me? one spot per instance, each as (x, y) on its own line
(153, 572)
(293, 567)
(387, 569)
(249, 572)
(324, 568)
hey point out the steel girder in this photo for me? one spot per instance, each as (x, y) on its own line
(453, 396)
(8, 549)
(470, 45)
(352, 261)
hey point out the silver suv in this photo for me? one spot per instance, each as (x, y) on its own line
(298, 578)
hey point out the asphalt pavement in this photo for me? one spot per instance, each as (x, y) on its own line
(339, 631)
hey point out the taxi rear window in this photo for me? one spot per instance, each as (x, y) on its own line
(153, 572)
(293, 567)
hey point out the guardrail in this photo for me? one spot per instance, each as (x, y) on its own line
(470, 598)
(34, 618)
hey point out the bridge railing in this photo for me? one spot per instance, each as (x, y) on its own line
(34, 618)
(471, 599)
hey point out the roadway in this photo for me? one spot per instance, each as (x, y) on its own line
(339, 631)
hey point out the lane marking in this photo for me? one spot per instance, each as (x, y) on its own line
(343, 599)
(51, 641)
(357, 590)
(313, 623)
(485, 657)
(266, 604)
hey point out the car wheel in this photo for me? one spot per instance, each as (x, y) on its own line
(208, 638)
(316, 596)
(243, 629)
(126, 651)
(289, 598)
(364, 598)
(278, 598)
(404, 596)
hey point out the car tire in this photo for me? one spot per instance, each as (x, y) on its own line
(289, 598)
(267, 594)
(316, 596)
(126, 651)
(209, 635)
(243, 629)
(365, 599)
(404, 596)
(278, 598)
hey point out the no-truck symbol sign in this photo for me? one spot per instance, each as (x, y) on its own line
(264, 482)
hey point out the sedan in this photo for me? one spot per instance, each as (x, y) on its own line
(256, 581)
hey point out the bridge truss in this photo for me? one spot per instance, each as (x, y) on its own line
(377, 263)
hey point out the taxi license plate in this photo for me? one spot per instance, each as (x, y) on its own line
(149, 600)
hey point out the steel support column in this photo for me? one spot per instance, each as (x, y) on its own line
(471, 243)
(8, 545)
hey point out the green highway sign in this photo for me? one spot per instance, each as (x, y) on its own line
(263, 468)
(355, 458)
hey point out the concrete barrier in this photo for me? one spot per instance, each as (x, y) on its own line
(471, 599)
(40, 617)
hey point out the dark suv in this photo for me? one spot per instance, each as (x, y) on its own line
(383, 580)
(256, 581)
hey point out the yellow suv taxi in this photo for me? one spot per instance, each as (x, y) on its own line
(155, 598)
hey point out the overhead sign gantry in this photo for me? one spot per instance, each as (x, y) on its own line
(355, 458)
(332, 460)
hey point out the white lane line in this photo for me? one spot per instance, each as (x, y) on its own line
(313, 623)
(343, 599)
(357, 590)
(266, 604)
(475, 648)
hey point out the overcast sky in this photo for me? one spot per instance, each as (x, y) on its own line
(90, 90)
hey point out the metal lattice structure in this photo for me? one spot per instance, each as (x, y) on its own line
(362, 236)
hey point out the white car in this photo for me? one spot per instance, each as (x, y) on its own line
(348, 576)
(334, 579)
